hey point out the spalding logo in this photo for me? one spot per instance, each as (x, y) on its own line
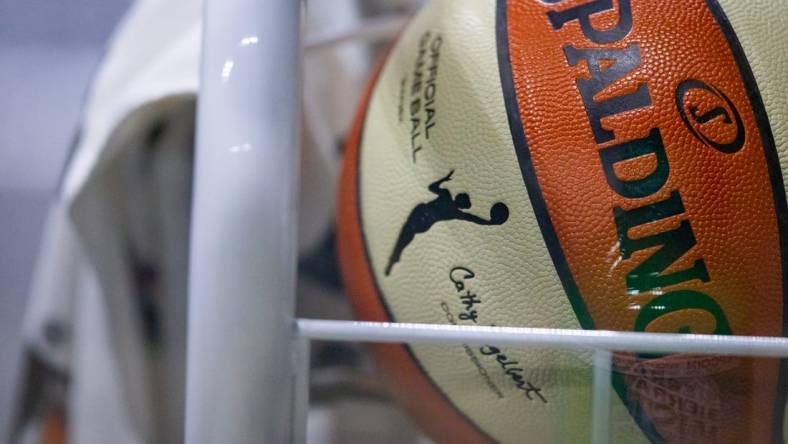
(714, 125)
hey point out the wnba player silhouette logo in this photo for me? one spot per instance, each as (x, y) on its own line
(442, 208)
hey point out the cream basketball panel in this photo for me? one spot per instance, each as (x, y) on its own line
(436, 128)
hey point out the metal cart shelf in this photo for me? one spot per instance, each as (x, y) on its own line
(248, 357)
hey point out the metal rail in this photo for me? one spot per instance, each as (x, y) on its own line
(754, 346)
(601, 342)
(243, 240)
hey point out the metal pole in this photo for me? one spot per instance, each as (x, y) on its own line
(600, 406)
(300, 389)
(371, 30)
(755, 346)
(243, 240)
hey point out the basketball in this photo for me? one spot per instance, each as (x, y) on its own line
(576, 164)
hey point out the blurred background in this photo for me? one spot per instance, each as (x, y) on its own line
(48, 53)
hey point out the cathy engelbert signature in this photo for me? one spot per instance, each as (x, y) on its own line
(471, 302)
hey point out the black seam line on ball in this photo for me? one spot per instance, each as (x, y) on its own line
(778, 191)
(543, 218)
(371, 271)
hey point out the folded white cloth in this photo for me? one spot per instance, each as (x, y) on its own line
(107, 313)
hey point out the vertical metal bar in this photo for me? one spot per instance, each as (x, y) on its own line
(243, 240)
(300, 389)
(600, 406)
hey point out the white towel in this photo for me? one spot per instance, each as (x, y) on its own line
(105, 329)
